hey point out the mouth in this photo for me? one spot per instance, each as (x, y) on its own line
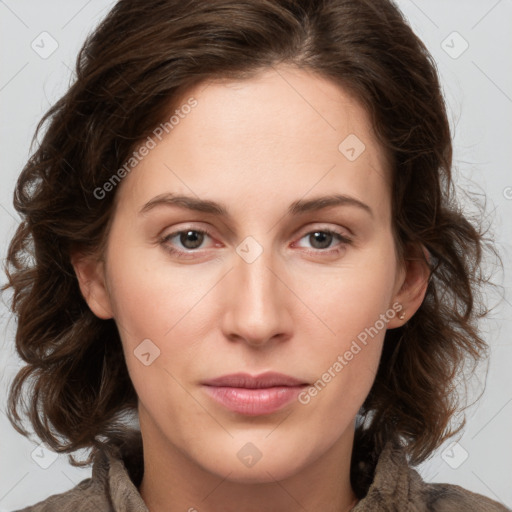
(254, 395)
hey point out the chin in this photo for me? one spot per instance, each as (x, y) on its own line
(255, 462)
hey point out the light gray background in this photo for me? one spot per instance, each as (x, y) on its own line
(478, 89)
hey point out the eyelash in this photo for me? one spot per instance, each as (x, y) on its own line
(186, 254)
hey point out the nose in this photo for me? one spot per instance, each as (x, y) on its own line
(257, 307)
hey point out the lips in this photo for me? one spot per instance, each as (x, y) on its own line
(254, 395)
(244, 380)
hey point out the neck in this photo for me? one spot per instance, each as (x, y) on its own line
(173, 481)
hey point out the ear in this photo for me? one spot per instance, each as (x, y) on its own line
(90, 272)
(412, 285)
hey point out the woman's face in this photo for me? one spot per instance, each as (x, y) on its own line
(255, 273)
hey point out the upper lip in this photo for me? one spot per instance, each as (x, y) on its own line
(264, 380)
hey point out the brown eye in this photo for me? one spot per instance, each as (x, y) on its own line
(191, 239)
(320, 239)
(185, 240)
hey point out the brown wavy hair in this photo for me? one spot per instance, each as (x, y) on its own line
(130, 73)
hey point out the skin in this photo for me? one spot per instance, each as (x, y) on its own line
(255, 146)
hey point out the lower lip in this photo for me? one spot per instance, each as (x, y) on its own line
(254, 402)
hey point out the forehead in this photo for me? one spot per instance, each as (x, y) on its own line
(284, 132)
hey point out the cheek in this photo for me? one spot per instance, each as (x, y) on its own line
(151, 314)
(354, 305)
(351, 297)
(345, 364)
(162, 311)
(150, 297)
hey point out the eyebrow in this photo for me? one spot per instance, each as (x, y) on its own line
(296, 208)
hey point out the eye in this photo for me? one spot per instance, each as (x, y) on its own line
(185, 240)
(186, 243)
(322, 239)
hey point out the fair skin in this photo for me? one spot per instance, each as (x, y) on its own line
(255, 146)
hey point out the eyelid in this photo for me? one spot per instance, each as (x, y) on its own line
(326, 227)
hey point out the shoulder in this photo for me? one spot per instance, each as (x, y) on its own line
(112, 486)
(87, 496)
(447, 497)
(397, 486)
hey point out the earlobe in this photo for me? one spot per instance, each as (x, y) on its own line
(413, 288)
(90, 273)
